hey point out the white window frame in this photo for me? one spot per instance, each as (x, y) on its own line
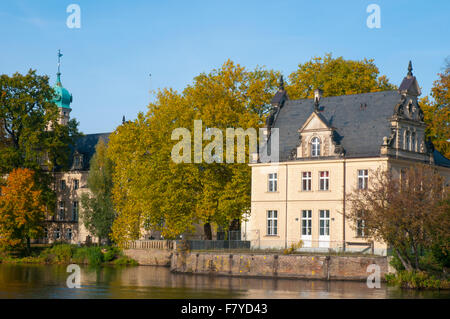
(326, 181)
(62, 185)
(363, 178)
(76, 184)
(306, 181)
(324, 228)
(315, 147)
(272, 223)
(272, 179)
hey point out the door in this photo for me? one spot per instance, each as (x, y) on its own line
(306, 228)
(324, 228)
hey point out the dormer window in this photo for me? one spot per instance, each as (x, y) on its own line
(315, 147)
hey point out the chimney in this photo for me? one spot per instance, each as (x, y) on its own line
(317, 95)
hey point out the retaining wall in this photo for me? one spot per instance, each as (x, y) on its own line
(278, 266)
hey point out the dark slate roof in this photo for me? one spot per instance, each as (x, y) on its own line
(361, 128)
(86, 146)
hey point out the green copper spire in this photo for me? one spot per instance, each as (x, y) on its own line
(63, 97)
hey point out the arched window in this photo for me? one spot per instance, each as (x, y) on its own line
(413, 142)
(315, 147)
(407, 142)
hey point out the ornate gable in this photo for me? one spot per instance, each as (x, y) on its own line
(317, 138)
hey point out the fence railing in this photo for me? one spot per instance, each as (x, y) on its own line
(217, 244)
(151, 244)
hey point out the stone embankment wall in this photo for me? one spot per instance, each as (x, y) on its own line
(165, 253)
(278, 266)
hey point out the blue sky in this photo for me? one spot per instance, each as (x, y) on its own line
(107, 62)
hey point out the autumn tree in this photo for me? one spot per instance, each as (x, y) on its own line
(408, 210)
(98, 212)
(437, 112)
(22, 210)
(336, 76)
(151, 189)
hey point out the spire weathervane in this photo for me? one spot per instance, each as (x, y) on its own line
(58, 80)
(410, 68)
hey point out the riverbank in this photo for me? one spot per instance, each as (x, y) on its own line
(68, 254)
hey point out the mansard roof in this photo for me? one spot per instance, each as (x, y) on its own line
(361, 120)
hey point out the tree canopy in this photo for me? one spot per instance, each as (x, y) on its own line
(437, 112)
(336, 76)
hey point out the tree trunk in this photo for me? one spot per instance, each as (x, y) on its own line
(404, 261)
(207, 230)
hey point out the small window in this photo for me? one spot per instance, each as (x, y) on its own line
(363, 178)
(272, 225)
(324, 181)
(273, 182)
(407, 144)
(360, 225)
(315, 147)
(63, 185)
(306, 222)
(76, 184)
(61, 210)
(75, 211)
(69, 234)
(306, 181)
(57, 233)
(413, 142)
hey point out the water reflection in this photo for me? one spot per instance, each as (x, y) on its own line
(49, 281)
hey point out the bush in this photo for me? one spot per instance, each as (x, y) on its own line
(94, 256)
(125, 261)
(416, 280)
(111, 253)
(59, 253)
(293, 248)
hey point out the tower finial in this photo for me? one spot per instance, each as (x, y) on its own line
(281, 87)
(58, 75)
(123, 119)
(410, 68)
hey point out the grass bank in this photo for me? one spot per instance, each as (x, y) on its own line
(70, 254)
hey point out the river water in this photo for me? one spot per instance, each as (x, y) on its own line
(49, 281)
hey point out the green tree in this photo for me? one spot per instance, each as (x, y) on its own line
(437, 112)
(336, 76)
(30, 135)
(98, 212)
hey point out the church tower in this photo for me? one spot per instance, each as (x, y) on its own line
(62, 96)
